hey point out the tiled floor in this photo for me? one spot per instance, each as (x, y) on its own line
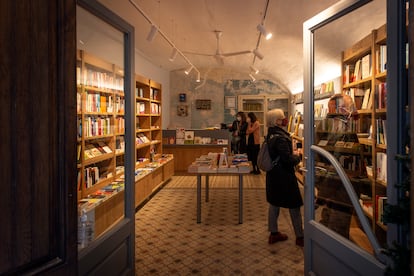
(170, 242)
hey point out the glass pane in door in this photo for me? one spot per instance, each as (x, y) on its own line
(333, 206)
(348, 77)
(100, 117)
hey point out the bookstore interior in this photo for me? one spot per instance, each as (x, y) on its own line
(181, 119)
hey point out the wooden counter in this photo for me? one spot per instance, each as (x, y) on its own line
(184, 155)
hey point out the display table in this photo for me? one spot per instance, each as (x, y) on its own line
(199, 179)
(219, 164)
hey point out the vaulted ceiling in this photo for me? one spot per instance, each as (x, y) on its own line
(191, 26)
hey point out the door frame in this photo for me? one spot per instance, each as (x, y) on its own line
(117, 245)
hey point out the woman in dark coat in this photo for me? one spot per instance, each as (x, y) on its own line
(282, 189)
(238, 129)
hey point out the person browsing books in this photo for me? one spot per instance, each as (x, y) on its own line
(253, 140)
(238, 129)
(282, 188)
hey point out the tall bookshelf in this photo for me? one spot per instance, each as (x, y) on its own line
(364, 79)
(100, 112)
(148, 118)
(148, 132)
(101, 142)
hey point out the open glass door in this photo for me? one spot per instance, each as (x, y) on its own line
(346, 189)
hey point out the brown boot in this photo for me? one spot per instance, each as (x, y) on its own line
(273, 238)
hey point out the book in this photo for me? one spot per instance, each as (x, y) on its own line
(367, 96)
(348, 73)
(357, 72)
(382, 166)
(366, 66)
(323, 143)
(382, 95)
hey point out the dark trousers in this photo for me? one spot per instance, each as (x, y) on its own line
(252, 153)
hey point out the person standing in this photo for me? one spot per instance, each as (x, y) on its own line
(282, 188)
(253, 140)
(238, 129)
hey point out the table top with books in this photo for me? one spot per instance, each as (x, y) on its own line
(215, 162)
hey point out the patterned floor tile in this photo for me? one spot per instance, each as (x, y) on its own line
(170, 242)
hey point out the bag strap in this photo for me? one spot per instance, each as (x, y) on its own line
(268, 138)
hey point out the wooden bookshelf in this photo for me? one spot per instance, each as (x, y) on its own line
(372, 119)
(101, 143)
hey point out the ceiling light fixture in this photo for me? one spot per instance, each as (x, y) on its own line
(261, 28)
(189, 70)
(152, 33)
(198, 77)
(258, 54)
(155, 30)
(252, 77)
(173, 55)
(254, 70)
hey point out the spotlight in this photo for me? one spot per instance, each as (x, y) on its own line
(188, 70)
(261, 28)
(152, 33)
(198, 77)
(252, 77)
(254, 70)
(173, 55)
(258, 54)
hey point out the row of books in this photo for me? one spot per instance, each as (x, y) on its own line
(97, 126)
(381, 131)
(154, 93)
(380, 202)
(100, 126)
(155, 108)
(339, 124)
(350, 162)
(95, 102)
(361, 97)
(140, 108)
(362, 69)
(220, 162)
(102, 80)
(381, 59)
(119, 126)
(91, 176)
(96, 149)
(368, 205)
(96, 198)
(139, 92)
(326, 87)
(366, 101)
(141, 139)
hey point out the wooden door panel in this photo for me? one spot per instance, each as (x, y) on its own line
(37, 64)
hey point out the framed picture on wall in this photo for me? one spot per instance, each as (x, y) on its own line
(182, 110)
(183, 97)
(229, 102)
(203, 104)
